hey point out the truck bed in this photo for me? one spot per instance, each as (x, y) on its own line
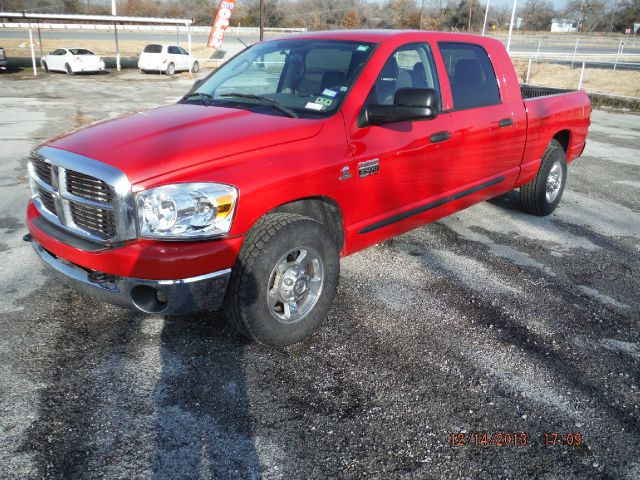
(533, 91)
(550, 111)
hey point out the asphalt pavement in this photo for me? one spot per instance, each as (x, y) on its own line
(488, 321)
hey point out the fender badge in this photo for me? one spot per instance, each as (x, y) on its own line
(346, 175)
(370, 167)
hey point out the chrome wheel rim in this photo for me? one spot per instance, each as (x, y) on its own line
(295, 284)
(554, 182)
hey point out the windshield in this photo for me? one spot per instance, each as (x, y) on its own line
(80, 51)
(307, 78)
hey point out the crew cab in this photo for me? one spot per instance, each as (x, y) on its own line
(296, 152)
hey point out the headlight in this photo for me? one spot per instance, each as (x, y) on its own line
(186, 210)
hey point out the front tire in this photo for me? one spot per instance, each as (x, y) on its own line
(45, 67)
(67, 68)
(171, 69)
(284, 280)
(542, 195)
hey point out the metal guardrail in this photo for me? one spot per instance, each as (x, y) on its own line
(144, 28)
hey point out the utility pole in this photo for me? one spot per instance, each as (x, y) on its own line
(513, 15)
(613, 12)
(115, 29)
(421, 13)
(261, 20)
(486, 12)
(470, 5)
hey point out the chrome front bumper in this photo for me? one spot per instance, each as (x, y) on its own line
(164, 297)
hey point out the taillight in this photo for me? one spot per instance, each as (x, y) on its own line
(164, 60)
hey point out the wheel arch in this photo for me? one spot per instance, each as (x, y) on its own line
(563, 137)
(323, 209)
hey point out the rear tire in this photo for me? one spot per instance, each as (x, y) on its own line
(171, 69)
(542, 195)
(277, 294)
(67, 68)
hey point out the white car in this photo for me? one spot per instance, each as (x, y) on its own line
(72, 60)
(166, 58)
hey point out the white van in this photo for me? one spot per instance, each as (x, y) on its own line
(166, 58)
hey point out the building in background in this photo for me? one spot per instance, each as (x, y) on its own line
(564, 25)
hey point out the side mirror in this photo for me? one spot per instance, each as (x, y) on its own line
(409, 104)
(197, 83)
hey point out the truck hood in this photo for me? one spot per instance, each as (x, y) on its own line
(155, 142)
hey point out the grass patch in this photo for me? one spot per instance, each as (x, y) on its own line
(595, 80)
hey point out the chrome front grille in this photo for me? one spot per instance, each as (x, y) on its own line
(42, 170)
(88, 187)
(79, 194)
(47, 200)
(98, 221)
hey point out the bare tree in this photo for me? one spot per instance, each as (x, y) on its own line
(350, 19)
(401, 14)
(590, 14)
(625, 15)
(502, 15)
(538, 14)
(460, 17)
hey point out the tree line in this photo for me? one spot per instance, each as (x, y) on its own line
(455, 15)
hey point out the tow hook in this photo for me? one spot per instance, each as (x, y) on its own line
(28, 238)
(100, 277)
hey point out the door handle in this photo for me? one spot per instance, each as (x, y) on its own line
(505, 122)
(440, 137)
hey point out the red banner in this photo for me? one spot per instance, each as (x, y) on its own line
(221, 23)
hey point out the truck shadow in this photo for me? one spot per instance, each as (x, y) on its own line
(203, 423)
(509, 200)
(124, 394)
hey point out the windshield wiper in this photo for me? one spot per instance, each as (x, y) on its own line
(203, 97)
(264, 101)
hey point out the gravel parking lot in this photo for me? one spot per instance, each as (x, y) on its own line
(488, 321)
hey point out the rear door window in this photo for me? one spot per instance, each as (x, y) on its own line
(471, 75)
(174, 50)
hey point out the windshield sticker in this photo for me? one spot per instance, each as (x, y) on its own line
(363, 48)
(324, 101)
(329, 93)
(314, 106)
(343, 89)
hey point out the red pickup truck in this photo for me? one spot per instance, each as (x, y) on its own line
(295, 152)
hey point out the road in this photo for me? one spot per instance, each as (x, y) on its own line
(233, 42)
(489, 320)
